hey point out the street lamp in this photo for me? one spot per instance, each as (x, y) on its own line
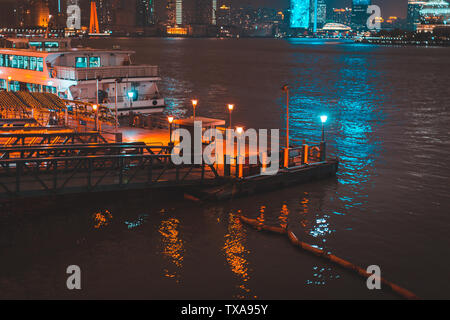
(324, 120)
(95, 108)
(239, 171)
(285, 89)
(131, 96)
(230, 108)
(9, 83)
(194, 105)
(170, 119)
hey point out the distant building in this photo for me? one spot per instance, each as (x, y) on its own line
(197, 12)
(9, 14)
(300, 14)
(413, 15)
(145, 13)
(436, 12)
(359, 14)
(341, 15)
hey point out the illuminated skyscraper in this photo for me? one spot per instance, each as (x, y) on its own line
(359, 13)
(145, 13)
(179, 12)
(300, 13)
(318, 10)
(413, 18)
(214, 12)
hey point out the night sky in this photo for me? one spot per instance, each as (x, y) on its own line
(388, 7)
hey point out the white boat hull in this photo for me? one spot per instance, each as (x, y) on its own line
(140, 107)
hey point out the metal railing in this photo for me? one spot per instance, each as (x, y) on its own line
(77, 74)
(61, 175)
(50, 138)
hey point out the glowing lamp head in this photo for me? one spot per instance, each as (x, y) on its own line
(9, 78)
(170, 119)
(130, 94)
(194, 103)
(95, 107)
(231, 107)
(323, 119)
(239, 130)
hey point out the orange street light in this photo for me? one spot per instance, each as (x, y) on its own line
(239, 168)
(95, 108)
(285, 89)
(194, 105)
(230, 108)
(170, 119)
(9, 83)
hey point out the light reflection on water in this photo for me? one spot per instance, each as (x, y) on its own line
(237, 254)
(388, 125)
(172, 247)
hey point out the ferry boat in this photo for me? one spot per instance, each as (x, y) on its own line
(105, 77)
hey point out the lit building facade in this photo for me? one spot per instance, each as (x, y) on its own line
(413, 15)
(341, 15)
(300, 14)
(145, 13)
(318, 14)
(359, 14)
(435, 12)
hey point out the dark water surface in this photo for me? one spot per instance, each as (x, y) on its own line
(389, 122)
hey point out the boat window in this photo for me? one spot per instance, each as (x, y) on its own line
(40, 64)
(1, 60)
(49, 89)
(51, 44)
(94, 62)
(35, 44)
(20, 62)
(33, 63)
(14, 62)
(81, 62)
(26, 62)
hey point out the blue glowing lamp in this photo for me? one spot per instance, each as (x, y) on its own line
(131, 94)
(324, 119)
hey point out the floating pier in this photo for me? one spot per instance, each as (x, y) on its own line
(45, 152)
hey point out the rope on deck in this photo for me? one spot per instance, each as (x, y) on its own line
(321, 253)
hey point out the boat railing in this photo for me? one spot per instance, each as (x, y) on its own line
(123, 72)
(124, 98)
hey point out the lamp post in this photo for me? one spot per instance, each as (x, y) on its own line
(323, 144)
(9, 84)
(239, 170)
(230, 108)
(95, 108)
(324, 120)
(170, 119)
(194, 105)
(130, 96)
(285, 89)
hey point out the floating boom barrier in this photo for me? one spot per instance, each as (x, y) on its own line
(329, 257)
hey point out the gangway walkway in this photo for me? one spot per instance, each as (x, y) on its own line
(44, 170)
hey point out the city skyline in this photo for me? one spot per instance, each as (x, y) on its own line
(388, 7)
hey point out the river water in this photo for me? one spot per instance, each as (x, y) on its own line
(389, 116)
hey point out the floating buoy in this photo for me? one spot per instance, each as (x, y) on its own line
(321, 253)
